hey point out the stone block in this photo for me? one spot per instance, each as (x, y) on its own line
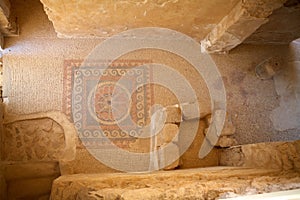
(228, 130)
(143, 193)
(29, 188)
(190, 158)
(15, 171)
(138, 13)
(225, 141)
(84, 162)
(222, 140)
(173, 115)
(3, 188)
(33, 140)
(200, 183)
(168, 134)
(243, 20)
(170, 155)
(273, 155)
(190, 111)
(44, 197)
(106, 194)
(174, 165)
(1, 129)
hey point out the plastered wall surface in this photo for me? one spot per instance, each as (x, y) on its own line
(287, 115)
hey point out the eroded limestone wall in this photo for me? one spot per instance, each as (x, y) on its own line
(78, 19)
(31, 148)
(277, 155)
(31, 140)
(210, 183)
(3, 185)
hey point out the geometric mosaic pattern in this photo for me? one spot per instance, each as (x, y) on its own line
(92, 98)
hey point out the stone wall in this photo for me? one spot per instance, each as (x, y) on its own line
(277, 155)
(73, 22)
(31, 148)
(33, 140)
(210, 183)
(3, 186)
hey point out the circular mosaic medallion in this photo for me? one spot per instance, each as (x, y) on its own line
(108, 103)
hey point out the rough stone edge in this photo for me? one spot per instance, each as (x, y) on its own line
(209, 174)
(60, 118)
(241, 157)
(8, 25)
(226, 35)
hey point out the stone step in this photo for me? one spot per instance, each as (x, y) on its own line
(25, 170)
(29, 188)
(27, 180)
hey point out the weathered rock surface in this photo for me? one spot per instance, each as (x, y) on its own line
(283, 26)
(29, 180)
(8, 26)
(34, 140)
(277, 155)
(173, 114)
(190, 111)
(190, 158)
(3, 187)
(240, 23)
(168, 134)
(207, 183)
(46, 136)
(32, 147)
(17, 170)
(1, 127)
(81, 19)
(30, 188)
(225, 139)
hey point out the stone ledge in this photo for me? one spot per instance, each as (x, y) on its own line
(205, 183)
(243, 20)
(30, 188)
(19, 170)
(274, 155)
